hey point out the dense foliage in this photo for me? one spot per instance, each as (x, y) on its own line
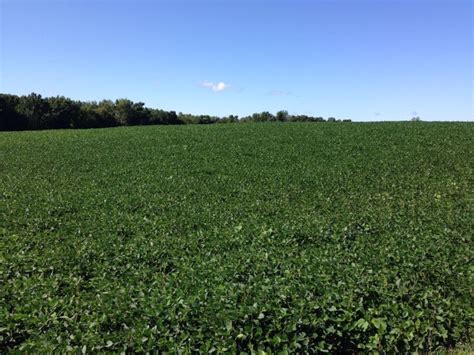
(278, 237)
(31, 112)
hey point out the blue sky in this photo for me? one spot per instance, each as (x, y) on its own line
(360, 59)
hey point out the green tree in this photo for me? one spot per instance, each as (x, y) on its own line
(10, 118)
(34, 108)
(282, 116)
(105, 111)
(61, 111)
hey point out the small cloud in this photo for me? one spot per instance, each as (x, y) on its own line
(377, 114)
(216, 87)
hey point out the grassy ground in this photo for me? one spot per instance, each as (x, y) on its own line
(246, 237)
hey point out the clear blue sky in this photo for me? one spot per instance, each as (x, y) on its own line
(359, 59)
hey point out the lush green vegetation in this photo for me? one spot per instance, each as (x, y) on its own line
(33, 112)
(273, 237)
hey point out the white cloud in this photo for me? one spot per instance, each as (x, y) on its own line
(216, 87)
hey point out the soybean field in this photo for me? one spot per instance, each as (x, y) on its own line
(239, 238)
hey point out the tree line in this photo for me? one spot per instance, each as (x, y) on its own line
(33, 112)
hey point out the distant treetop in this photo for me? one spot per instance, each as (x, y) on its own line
(31, 112)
